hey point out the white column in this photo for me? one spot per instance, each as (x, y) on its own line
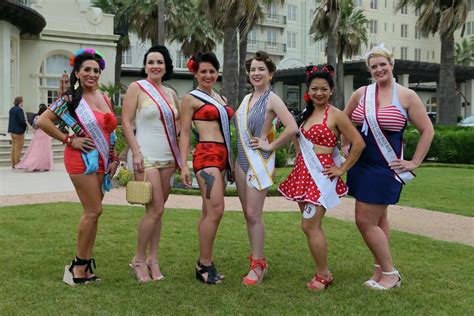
(5, 98)
(348, 87)
(403, 79)
(303, 89)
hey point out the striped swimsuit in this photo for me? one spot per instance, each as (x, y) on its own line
(255, 120)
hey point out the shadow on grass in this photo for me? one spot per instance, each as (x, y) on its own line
(38, 240)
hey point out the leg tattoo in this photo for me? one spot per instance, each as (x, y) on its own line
(209, 181)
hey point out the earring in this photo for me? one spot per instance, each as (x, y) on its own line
(77, 84)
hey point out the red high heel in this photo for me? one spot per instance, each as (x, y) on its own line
(254, 264)
(317, 278)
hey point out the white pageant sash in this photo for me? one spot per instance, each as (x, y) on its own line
(167, 116)
(224, 118)
(382, 142)
(91, 126)
(260, 172)
(326, 186)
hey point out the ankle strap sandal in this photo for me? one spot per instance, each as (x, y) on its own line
(254, 264)
(69, 277)
(207, 274)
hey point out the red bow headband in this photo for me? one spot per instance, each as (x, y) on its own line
(328, 69)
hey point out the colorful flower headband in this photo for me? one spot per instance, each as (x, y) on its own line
(91, 51)
(329, 69)
(192, 64)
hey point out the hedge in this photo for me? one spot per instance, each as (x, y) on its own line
(451, 144)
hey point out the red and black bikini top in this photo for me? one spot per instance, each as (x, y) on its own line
(208, 112)
(321, 134)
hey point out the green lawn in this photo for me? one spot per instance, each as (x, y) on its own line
(37, 240)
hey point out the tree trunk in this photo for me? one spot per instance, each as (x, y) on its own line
(230, 75)
(331, 53)
(118, 70)
(161, 22)
(339, 82)
(446, 101)
(242, 69)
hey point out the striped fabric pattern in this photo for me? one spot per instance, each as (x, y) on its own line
(255, 120)
(390, 118)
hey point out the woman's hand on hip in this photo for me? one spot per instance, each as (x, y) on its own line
(84, 144)
(403, 165)
(258, 143)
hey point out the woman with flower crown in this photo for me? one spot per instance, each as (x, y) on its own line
(89, 156)
(212, 159)
(381, 112)
(151, 109)
(315, 182)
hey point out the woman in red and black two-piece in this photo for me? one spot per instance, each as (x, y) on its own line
(212, 158)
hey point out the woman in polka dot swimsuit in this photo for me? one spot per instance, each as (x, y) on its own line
(321, 124)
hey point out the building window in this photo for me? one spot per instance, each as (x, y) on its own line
(127, 57)
(404, 28)
(417, 11)
(252, 37)
(427, 55)
(271, 38)
(469, 28)
(433, 55)
(373, 26)
(417, 34)
(373, 4)
(417, 54)
(385, 4)
(51, 71)
(358, 3)
(291, 39)
(181, 60)
(403, 52)
(470, 5)
(272, 12)
(393, 27)
(291, 14)
(404, 9)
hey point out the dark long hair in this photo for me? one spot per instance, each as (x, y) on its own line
(321, 71)
(76, 93)
(167, 57)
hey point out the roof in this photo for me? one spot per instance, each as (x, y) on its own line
(23, 17)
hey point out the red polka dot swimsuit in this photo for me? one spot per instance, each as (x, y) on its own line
(300, 186)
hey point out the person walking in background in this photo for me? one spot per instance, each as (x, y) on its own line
(39, 155)
(152, 109)
(315, 182)
(89, 155)
(381, 112)
(256, 146)
(213, 155)
(17, 128)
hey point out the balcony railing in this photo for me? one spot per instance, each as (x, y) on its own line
(274, 20)
(270, 47)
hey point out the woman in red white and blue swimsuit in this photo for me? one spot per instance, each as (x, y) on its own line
(372, 181)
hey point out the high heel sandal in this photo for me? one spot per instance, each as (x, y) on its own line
(150, 264)
(254, 264)
(370, 282)
(212, 277)
(69, 277)
(317, 278)
(135, 266)
(376, 286)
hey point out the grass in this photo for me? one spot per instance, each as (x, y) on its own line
(37, 240)
(437, 187)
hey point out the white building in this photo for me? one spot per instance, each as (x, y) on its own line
(37, 38)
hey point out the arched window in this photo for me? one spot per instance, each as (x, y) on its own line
(50, 74)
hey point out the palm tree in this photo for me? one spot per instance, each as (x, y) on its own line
(117, 7)
(325, 25)
(147, 19)
(443, 17)
(349, 37)
(464, 54)
(235, 18)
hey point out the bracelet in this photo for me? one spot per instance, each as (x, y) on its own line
(68, 140)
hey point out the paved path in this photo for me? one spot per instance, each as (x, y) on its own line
(18, 187)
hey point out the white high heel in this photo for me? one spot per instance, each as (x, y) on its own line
(376, 286)
(370, 282)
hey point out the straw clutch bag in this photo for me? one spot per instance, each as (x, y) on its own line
(139, 192)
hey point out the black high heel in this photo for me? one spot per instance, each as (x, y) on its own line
(69, 277)
(93, 278)
(213, 277)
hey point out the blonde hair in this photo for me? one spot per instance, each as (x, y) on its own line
(379, 51)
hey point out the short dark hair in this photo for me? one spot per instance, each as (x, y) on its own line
(261, 56)
(207, 57)
(17, 100)
(167, 57)
(42, 107)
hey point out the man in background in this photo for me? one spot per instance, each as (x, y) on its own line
(17, 128)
